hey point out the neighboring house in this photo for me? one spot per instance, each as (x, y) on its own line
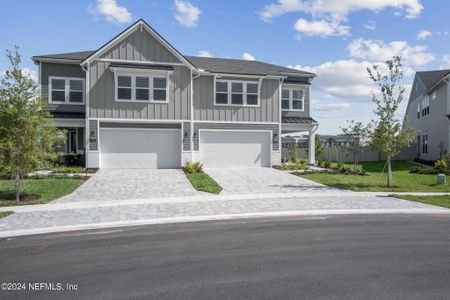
(428, 112)
(339, 140)
(136, 102)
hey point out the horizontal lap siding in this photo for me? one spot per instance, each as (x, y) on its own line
(205, 110)
(60, 70)
(236, 126)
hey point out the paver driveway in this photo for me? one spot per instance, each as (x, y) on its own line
(263, 181)
(122, 184)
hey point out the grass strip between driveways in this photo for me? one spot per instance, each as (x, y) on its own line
(5, 213)
(45, 189)
(202, 182)
(375, 181)
(438, 200)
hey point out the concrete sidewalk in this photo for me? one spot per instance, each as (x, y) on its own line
(57, 205)
(110, 214)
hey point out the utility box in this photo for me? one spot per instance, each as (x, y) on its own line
(441, 179)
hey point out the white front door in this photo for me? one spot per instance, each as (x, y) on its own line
(222, 149)
(126, 148)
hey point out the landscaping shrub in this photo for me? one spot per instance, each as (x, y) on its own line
(292, 167)
(193, 167)
(327, 164)
(441, 165)
(320, 163)
(340, 165)
(427, 171)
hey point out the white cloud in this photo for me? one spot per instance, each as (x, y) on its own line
(335, 12)
(375, 50)
(187, 14)
(445, 62)
(338, 9)
(321, 28)
(112, 12)
(248, 56)
(317, 106)
(205, 53)
(342, 79)
(31, 73)
(371, 25)
(26, 72)
(423, 34)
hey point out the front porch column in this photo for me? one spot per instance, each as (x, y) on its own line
(312, 147)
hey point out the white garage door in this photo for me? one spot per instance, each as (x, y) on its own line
(221, 149)
(140, 148)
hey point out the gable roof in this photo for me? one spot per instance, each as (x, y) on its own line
(213, 65)
(431, 78)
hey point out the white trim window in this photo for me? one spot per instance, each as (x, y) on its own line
(425, 144)
(236, 93)
(425, 106)
(142, 87)
(292, 99)
(66, 90)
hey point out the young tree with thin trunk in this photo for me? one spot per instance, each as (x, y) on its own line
(359, 133)
(388, 135)
(28, 140)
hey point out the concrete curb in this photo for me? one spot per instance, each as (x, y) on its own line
(92, 204)
(187, 219)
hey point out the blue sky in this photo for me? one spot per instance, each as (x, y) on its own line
(337, 40)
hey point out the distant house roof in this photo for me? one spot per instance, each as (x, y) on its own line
(215, 65)
(430, 78)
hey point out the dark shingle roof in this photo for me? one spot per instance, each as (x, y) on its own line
(217, 65)
(298, 120)
(239, 66)
(75, 56)
(430, 78)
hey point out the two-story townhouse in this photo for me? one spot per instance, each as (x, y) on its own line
(136, 102)
(428, 111)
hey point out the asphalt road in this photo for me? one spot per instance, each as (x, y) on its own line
(335, 257)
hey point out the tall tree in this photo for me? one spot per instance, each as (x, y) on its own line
(388, 135)
(27, 138)
(359, 133)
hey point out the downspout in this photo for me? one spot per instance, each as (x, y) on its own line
(280, 117)
(191, 136)
(86, 126)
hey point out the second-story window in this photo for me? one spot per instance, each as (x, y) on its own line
(292, 99)
(66, 90)
(425, 106)
(141, 88)
(239, 93)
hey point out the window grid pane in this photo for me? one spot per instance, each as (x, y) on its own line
(124, 81)
(76, 97)
(159, 82)
(76, 85)
(236, 99)
(142, 94)
(142, 82)
(58, 84)
(222, 98)
(222, 87)
(159, 95)
(124, 93)
(58, 96)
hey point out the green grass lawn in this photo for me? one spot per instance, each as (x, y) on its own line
(202, 182)
(376, 182)
(443, 200)
(5, 213)
(45, 189)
